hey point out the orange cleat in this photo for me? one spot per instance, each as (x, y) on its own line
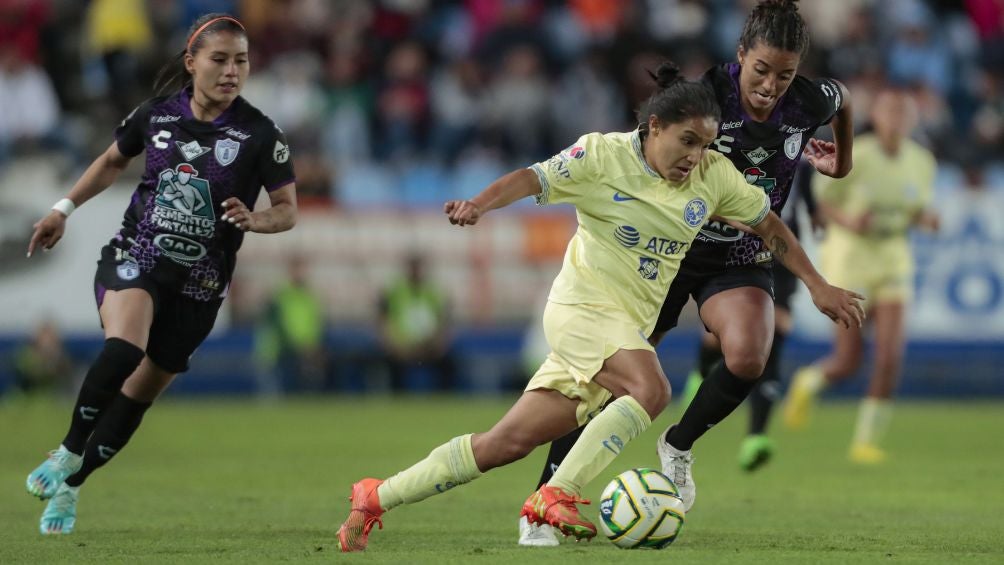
(551, 505)
(354, 533)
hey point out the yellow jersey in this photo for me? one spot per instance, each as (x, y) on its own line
(893, 188)
(634, 227)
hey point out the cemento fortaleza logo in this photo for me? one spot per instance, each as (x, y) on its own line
(627, 236)
(183, 210)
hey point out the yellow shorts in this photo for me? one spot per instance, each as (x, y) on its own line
(881, 279)
(581, 339)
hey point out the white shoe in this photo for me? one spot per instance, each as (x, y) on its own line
(536, 536)
(676, 465)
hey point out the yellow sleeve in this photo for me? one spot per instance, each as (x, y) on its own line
(927, 189)
(834, 191)
(565, 177)
(738, 200)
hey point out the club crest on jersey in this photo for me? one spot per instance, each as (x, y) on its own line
(280, 153)
(758, 155)
(758, 177)
(127, 271)
(191, 150)
(183, 209)
(793, 145)
(648, 268)
(627, 236)
(226, 151)
(694, 212)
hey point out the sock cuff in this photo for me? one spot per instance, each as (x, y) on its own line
(630, 408)
(462, 463)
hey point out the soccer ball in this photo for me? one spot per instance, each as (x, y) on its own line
(641, 508)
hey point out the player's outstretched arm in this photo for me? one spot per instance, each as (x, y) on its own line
(501, 193)
(98, 176)
(834, 159)
(838, 304)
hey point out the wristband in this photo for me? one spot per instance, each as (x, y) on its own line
(65, 207)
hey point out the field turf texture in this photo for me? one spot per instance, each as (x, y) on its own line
(243, 481)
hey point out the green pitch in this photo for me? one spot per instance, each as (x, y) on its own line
(240, 481)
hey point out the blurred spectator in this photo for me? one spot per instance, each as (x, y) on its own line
(517, 110)
(32, 116)
(290, 336)
(414, 327)
(118, 32)
(42, 365)
(21, 23)
(457, 102)
(403, 103)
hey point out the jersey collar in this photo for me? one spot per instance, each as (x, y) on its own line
(636, 143)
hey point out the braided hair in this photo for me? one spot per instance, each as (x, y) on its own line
(777, 24)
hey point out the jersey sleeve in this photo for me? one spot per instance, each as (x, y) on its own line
(738, 199)
(276, 165)
(130, 135)
(565, 177)
(829, 98)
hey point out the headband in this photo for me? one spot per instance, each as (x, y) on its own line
(207, 24)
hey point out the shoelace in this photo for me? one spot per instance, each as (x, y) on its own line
(680, 465)
(60, 458)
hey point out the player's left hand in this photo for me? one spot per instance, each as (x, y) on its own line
(841, 306)
(238, 215)
(822, 155)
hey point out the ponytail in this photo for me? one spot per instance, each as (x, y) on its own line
(677, 99)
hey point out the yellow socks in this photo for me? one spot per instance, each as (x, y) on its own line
(873, 421)
(447, 466)
(602, 440)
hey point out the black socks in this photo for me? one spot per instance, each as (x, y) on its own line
(117, 360)
(720, 394)
(120, 420)
(768, 388)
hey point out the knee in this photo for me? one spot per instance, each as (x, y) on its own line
(652, 396)
(747, 364)
(845, 366)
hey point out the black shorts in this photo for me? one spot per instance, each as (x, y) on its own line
(702, 286)
(180, 324)
(785, 286)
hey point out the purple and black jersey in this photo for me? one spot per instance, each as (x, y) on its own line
(767, 153)
(172, 227)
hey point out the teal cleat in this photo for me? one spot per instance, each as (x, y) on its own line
(61, 513)
(755, 451)
(47, 477)
(694, 380)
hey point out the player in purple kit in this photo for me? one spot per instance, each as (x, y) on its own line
(769, 114)
(163, 276)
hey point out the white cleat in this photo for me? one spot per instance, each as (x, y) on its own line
(536, 536)
(676, 465)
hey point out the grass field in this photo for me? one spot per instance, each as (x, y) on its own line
(238, 481)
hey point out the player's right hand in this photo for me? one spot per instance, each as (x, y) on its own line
(462, 212)
(48, 231)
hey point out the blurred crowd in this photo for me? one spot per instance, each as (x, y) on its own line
(414, 101)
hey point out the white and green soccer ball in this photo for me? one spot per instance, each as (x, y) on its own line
(641, 508)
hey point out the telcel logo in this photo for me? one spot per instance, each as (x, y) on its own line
(180, 248)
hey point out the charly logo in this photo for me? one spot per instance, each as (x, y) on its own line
(694, 212)
(226, 151)
(191, 150)
(183, 207)
(649, 268)
(793, 145)
(127, 271)
(627, 236)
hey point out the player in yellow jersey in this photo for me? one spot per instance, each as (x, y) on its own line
(870, 213)
(640, 198)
